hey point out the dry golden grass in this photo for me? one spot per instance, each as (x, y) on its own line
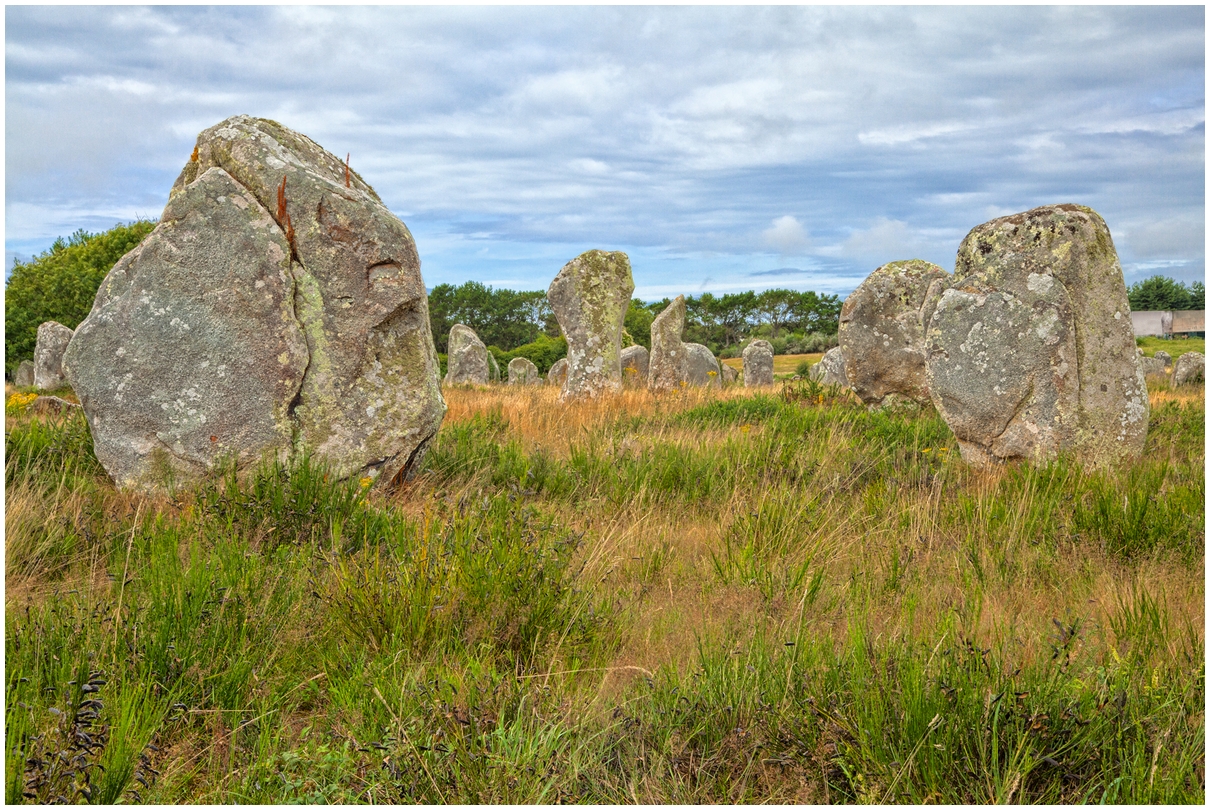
(782, 363)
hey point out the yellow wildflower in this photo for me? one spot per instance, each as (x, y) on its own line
(366, 481)
(18, 402)
(712, 373)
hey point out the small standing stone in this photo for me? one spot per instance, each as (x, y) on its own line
(523, 372)
(467, 359)
(635, 364)
(830, 369)
(53, 338)
(1164, 357)
(667, 369)
(730, 375)
(1152, 365)
(702, 366)
(558, 373)
(1190, 367)
(23, 377)
(493, 368)
(758, 364)
(590, 296)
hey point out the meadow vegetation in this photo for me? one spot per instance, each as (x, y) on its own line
(703, 597)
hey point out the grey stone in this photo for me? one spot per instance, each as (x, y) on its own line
(558, 373)
(523, 372)
(589, 297)
(758, 364)
(1190, 367)
(882, 330)
(730, 375)
(635, 365)
(1031, 351)
(702, 366)
(1164, 357)
(23, 377)
(493, 367)
(830, 369)
(667, 367)
(52, 405)
(277, 308)
(53, 338)
(466, 362)
(1152, 365)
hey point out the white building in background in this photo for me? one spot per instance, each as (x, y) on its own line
(1157, 323)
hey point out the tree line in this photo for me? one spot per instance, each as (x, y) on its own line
(1162, 293)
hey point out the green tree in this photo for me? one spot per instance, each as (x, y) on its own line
(499, 317)
(61, 284)
(638, 322)
(1163, 293)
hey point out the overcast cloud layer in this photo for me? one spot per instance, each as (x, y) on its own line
(722, 148)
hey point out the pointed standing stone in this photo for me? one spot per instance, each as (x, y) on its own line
(668, 369)
(53, 338)
(589, 297)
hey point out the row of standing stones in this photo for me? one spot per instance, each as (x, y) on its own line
(277, 310)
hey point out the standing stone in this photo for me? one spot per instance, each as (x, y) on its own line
(277, 308)
(558, 373)
(730, 375)
(882, 329)
(466, 362)
(589, 297)
(667, 367)
(1190, 367)
(702, 366)
(23, 377)
(1164, 357)
(493, 368)
(1152, 365)
(758, 364)
(1032, 351)
(635, 364)
(53, 338)
(830, 369)
(523, 372)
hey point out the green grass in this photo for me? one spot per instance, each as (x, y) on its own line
(781, 598)
(1176, 347)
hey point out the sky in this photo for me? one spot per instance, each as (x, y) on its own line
(723, 148)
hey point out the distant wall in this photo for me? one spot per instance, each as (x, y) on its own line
(1157, 323)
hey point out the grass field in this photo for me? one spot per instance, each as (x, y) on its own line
(1150, 345)
(783, 364)
(705, 597)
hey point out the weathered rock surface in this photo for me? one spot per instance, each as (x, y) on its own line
(558, 373)
(1152, 365)
(52, 405)
(523, 372)
(1164, 357)
(1190, 367)
(1031, 350)
(23, 377)
(668, 367)
(277, 308)
(730, 375)
(635, 365)
(466, 362)
(830, 369)
(882, 330)
(589, 297)
(53, 338)
(493, 368)
(758, 364)
(702, 366)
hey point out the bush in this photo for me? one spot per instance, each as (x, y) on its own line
(543, 353)
(60, 285)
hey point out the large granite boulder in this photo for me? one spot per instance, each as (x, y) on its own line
(635, 363)
(1190, 367)
(758, 363)
(521, 371)
(1031, 351)
(589, 297)
(701, 366)
(830, 369)
(667, 364)
(277, 309)
(53, 338)
(466, 362)
(558, 373)
(23, 377)
(882, 328)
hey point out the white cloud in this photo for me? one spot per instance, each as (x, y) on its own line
(787, 236)
(887, 240)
